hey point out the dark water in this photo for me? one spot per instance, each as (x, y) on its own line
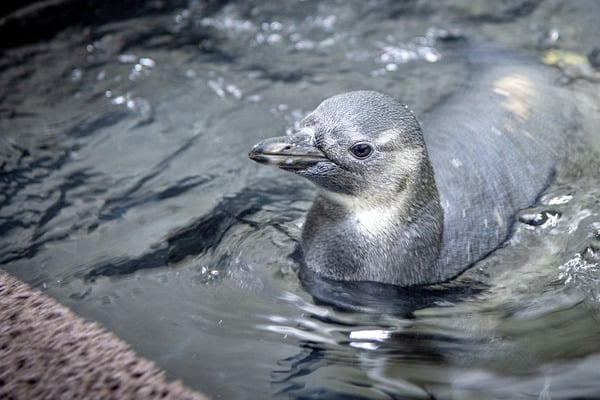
(126, 194)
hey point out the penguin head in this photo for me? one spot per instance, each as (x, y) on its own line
(364, 144)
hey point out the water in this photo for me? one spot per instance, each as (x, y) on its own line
(126, 194)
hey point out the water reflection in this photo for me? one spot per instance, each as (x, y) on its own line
(433, 357)
(386, 299)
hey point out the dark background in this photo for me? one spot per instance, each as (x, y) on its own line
(27, 21)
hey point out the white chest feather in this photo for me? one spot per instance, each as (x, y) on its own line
(372, 220)
(375, 221)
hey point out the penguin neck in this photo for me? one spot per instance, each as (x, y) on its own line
(371, 215)
(397, 242)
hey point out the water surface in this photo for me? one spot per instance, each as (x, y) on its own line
(126, 194)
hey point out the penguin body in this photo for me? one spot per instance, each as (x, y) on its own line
(409, 203)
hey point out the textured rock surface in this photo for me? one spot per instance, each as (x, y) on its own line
(47, 352)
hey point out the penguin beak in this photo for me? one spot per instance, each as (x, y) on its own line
(295, 152)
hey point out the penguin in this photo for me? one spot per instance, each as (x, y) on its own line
(407, 202)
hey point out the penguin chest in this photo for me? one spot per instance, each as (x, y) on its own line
(373, 224)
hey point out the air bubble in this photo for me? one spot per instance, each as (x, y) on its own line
(76, 74)
(147, 62)
(127, 58)
(560, 199)
(391, 67)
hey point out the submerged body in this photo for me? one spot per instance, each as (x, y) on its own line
(409, 204)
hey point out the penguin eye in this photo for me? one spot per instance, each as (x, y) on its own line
(361, 150)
